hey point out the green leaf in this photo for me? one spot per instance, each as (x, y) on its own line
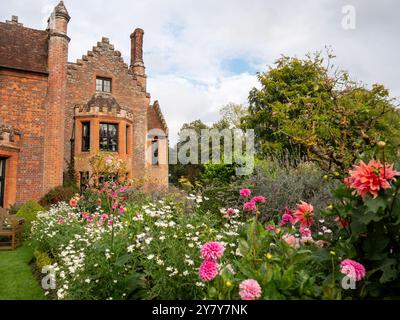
(390, 270)
(373, 205)
(122, 260)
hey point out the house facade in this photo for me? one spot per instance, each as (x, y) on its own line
(55, 114)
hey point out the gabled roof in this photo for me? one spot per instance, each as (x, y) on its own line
(155, 118)
(23, 48)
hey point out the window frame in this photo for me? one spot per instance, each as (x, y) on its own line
(103, 80)
(108, 136)
(155, 146)
(83, 138)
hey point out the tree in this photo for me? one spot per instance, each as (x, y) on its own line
(309, 109)
(233, 113)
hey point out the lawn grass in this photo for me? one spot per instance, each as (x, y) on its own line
(16, 279)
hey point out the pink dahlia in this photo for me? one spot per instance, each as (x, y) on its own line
(258, 199)
(305, 232)
(245, 192)
(249, 206)
(287, 217)
(208, 270)
(212, 250)
(370, 178)
(292, 241)
(304, 214)
(249, 290)
(353, 269)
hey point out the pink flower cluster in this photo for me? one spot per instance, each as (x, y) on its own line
(210, 252)
(251, 205)
(249, 290)
(352, 269)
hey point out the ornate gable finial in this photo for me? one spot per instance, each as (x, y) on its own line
(61, 10)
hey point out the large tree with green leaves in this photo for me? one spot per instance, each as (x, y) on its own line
(306, 108)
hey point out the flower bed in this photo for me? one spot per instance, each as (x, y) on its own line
(107, 247)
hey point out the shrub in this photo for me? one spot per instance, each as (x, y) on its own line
(286, 186)
(58, 194)
(28, 211)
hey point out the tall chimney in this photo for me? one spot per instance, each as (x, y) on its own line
(55, 103)
(137, 64)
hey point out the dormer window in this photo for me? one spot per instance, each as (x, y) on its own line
(103, 84)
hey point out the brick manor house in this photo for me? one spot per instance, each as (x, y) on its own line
(54, 112)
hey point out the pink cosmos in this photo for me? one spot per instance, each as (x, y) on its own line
(249, 206)
(291, 240)
(61, 220)
(208, 270)
(258, 199)
(245, 192)
(249, 290)
(121, 209)
(73, 202)
(353, 269)
(113, 194)
(89, 219)
(287, 217)
(122, 189)
(104, 217)
(114, 205)
(370, 178)
(212, 250)
(110, 222)
(230, 211)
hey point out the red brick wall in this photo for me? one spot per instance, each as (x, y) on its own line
(22, 99)
(104, 61)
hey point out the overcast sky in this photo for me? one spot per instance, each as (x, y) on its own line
(200, 55)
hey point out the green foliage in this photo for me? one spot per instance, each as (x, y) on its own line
(28, 212)
(42, 259)
(218, 173)
(312, 111)
(58, 194)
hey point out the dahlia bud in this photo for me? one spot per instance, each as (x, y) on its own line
(381, 144)
(330, 207)
(228, 283)
(326, 177)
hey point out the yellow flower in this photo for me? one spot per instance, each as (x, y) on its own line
(333, 253)
(228, 283)
(269, 256)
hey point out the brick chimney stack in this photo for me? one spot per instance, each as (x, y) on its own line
(137, 64)
(55, 102)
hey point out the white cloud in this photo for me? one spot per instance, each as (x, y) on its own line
(184, 101)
